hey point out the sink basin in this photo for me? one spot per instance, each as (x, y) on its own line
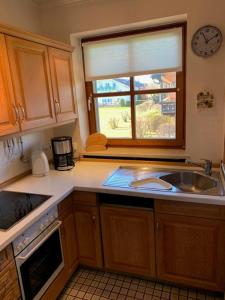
(190, 182)
(181, 181)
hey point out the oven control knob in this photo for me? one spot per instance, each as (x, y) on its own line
(42, 227)
(20, 246)
(26, 241)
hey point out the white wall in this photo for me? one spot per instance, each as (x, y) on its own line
(204, 131)
(25, 15)
(20, 13)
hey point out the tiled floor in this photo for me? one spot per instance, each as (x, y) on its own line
(98, 285)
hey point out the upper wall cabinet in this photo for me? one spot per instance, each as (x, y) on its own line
(63, 84)
(9, 115)
(32, 84)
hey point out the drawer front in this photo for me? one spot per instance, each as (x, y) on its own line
(85, 198)
(6, 256)
(190, 209)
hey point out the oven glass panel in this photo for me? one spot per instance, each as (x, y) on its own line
(39, 267)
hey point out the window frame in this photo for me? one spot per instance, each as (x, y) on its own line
(180, 90)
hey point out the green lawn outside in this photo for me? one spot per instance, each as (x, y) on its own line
(161, 126)
(107, 113)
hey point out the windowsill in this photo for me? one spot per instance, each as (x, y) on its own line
(138, 153)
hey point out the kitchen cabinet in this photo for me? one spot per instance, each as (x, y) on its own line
(63, 84)
(69, 236)
(9, 285)
(88, 229)
(30, 71)
(9, 115)
(69, 247)
(190, 251)
(128, 239)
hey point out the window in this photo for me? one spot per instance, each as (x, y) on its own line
(135, 86)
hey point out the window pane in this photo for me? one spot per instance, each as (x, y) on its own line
(113, 116)
(112, 85)
(155, 81)
(156, 116)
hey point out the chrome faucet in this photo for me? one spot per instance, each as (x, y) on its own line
(207, 165)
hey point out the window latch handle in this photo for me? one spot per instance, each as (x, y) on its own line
(90, 102)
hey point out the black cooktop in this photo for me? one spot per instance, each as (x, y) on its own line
(15, 206)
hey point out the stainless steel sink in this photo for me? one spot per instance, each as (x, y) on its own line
(182, 181)
(190, 181)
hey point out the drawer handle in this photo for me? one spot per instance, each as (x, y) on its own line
(93, 219)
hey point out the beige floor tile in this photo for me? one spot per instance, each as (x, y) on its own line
(97, 285)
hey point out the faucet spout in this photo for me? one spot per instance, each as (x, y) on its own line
(207, 165)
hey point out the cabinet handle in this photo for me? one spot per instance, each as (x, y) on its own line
(23, 112)
(17, 114)
(58, 107)
(157, 226)
(93, 219)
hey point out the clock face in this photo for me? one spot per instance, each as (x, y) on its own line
(206, 41)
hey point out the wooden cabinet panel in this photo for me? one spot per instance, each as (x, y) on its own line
(191, 251)
(31, 81)
(8, 111)
(63, 84)
(6, 256)
(128, 240)
(85, 198)
(88, 235)
(69, 243)
(207, 211)
(9, 286)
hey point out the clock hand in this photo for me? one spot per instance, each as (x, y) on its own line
(213, 37)
(204, 37)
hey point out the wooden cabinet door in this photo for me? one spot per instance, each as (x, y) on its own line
(63, 84)
(9, 117)
(190, 251)
(128, 240)
(31, 81)
(69, 243)
(88, 235)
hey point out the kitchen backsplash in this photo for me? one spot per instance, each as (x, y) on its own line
(10, 163)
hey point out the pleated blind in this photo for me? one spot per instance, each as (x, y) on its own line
(152, 52)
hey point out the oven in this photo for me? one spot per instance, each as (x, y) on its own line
(40, 261)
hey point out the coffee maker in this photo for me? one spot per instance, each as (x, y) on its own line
(62, 148)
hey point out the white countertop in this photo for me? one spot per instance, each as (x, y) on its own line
(86, 176)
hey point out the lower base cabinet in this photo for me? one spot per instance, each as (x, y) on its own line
(191, 251)
(128, 240)
(88, 229)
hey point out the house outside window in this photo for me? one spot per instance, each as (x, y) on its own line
(145, 106)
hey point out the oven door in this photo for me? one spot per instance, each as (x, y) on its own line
(40, 262)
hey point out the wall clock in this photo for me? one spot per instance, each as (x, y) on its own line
(206, 41)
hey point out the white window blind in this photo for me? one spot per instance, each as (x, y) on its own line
(152, 52)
